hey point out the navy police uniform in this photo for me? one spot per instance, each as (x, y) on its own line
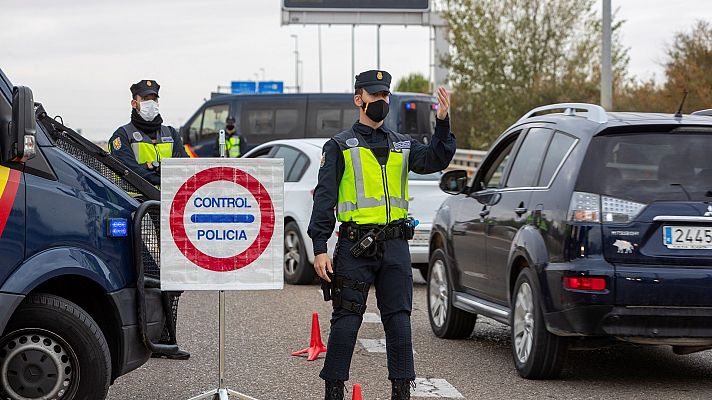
(138, 144)
(141, 142)
(389, 268)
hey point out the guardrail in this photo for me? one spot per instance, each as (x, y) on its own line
(468, 160)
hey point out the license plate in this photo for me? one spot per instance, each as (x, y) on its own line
(687, 237)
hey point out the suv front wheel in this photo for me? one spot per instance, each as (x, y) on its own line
(446, 321)
(538, 354)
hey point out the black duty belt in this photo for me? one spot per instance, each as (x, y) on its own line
(354, 232)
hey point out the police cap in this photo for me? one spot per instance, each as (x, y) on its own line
(373, 81)
(230, 119)
(144, 88)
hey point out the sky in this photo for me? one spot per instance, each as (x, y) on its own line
(81, 57)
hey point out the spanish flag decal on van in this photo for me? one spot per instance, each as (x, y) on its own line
(9, 182)
(189, 149)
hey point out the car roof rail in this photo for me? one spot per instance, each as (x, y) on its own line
(595, 112)
(706, 113)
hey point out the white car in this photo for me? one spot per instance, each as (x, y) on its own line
(425, 198)
(301, 173)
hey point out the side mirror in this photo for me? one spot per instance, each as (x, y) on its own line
(19, 145)
(453, 182)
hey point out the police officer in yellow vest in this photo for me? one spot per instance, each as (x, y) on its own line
(364, 177)
(145, 141)
(141, 145)
(234, 142)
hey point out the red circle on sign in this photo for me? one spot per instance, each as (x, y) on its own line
(177, 219)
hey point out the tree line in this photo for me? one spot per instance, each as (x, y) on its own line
(509, 56)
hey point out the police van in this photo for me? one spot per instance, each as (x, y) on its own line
(80, 298)
(266, 117)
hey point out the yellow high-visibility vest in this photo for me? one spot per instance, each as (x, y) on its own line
(371, 193)
(145, 151)
(232, 145)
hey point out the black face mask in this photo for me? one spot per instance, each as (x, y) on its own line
(230, 127)
(377, 110)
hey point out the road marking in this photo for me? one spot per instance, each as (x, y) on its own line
(431, 387)
(371, 318)
(375, 345)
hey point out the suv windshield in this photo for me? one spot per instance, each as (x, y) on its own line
(649, 167)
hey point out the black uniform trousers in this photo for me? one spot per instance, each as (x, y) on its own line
(392, 278)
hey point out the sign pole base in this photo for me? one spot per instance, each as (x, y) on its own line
(222, 393)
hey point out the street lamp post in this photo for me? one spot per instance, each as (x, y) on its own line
(263, 73)
(296, 62)
(606, 59)
(320, 74)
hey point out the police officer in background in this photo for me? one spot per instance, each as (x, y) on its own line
(234, 142)
(364, 176)
(145, 141)
(141, 145)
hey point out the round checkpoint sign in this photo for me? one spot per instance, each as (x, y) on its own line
(222, 219)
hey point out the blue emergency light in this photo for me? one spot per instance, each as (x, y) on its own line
(118, 227)
(410, 106)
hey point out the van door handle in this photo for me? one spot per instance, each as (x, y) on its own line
(484, 212)
(520, 210)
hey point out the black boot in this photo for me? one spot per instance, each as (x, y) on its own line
(400, 389)
(334, 390)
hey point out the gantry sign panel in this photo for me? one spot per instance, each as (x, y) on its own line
(357, 5)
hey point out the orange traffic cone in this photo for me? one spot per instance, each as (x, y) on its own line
(357, 392)
(316, 346)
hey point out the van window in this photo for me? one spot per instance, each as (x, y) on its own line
(647, 167)
(350, 116)
(328, 122)
(417, 118)
(194, 129)
(259, 122)
(214, 119)
(525, 168)
(286, 121)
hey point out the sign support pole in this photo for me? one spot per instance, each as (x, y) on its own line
(222, 392)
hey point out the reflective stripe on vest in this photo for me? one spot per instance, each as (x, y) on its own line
(363, 186)
(232, 145)
(145, 151)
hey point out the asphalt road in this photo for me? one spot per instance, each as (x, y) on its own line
(265, 327)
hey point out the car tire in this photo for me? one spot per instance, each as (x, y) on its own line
(446, 321)
(60, 350)
(537, 353)
(297, 268)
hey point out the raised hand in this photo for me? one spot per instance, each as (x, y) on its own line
(443, 103)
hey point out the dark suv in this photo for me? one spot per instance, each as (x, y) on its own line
(580, 225)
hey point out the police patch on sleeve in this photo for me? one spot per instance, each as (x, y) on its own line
(116, 143)
(323, 160)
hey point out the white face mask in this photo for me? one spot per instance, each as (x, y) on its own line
(148, 110)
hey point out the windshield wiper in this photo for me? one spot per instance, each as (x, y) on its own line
(689, 198)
